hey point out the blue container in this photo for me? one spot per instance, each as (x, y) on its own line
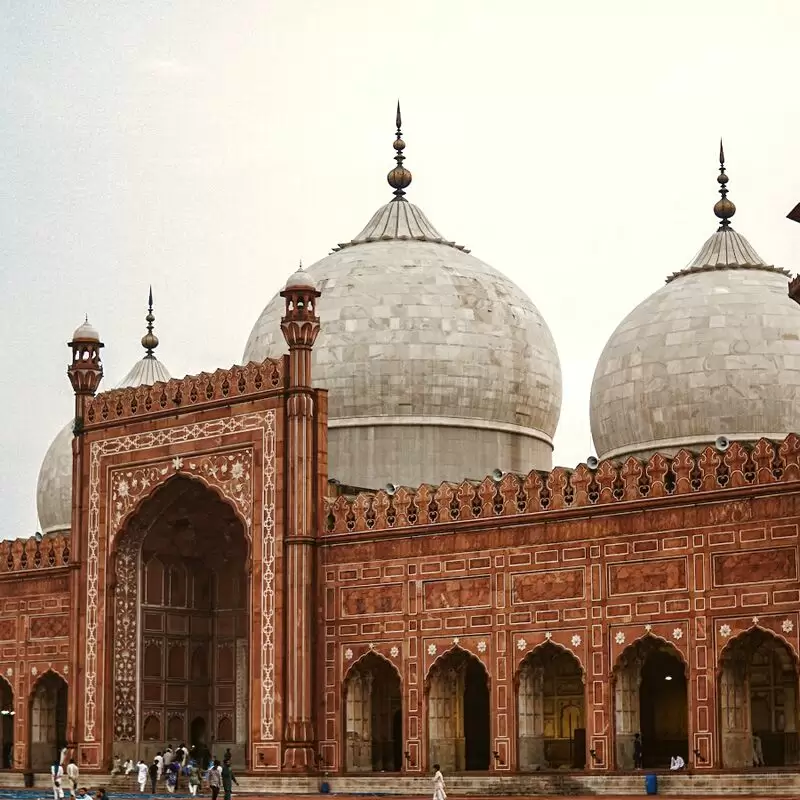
(324, 787)
(651, 784)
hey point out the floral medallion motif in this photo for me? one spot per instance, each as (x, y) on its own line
(576, 640)
(677, 633)
(724, 631)
(394, 652)
(431, 649)
(787, 626)
(481, 646)
(348, 654)
(620, 637)
(521, 644)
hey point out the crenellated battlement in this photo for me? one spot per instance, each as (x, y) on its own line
(191, 391)
(20, 555)
(611, 482)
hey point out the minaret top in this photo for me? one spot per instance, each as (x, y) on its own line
(150, 340)
(724, 209)
(399, 178)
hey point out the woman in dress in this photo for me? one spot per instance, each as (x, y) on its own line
(438, 784)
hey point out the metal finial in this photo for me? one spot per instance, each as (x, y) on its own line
(399, 178)
(724, 209)
(150, 340)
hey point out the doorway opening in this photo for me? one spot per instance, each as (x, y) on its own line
(373, 717)
(551, 710)
(458, 713)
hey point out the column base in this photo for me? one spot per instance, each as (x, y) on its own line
(299, 758)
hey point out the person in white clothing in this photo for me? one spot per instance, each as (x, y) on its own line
(130, 766)
(142, 773)
(57, 775)
(676, 763)
(72, 777)
(438, 784)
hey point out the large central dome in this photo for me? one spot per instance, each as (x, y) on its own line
(438, 366)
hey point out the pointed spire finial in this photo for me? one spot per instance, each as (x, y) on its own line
(150, 340)
(399, 178)
(724, 209)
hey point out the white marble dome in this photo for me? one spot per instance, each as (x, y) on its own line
(54, 487)
(437, 365)
(716, 351)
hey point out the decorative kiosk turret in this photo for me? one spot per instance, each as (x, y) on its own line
(300, 326)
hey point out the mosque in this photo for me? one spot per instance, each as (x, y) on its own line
(353, 553)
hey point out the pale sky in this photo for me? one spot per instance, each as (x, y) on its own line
(205, 147)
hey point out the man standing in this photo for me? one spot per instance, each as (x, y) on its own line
(154, 772)
(228, 779)
(637, 751)
(72, 776)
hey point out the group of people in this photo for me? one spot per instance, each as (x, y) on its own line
(69, 779)
(172, 765)
(169, 765)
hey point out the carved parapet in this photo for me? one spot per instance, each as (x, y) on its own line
(28, 554)
(686, 473)
(189, 392)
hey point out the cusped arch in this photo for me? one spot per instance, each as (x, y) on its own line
(449, 653)
(735, 641)
(530, 651)
(50, 672)
(365, 657)
(643, 640)
(121, 529)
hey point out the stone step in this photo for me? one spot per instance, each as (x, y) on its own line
(764, 783)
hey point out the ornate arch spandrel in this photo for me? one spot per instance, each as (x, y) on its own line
(228, 476)
(235, 487)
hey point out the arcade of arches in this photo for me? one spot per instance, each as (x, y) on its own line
(192, 610)
(651, 699)
(758, 680)
(552, 732)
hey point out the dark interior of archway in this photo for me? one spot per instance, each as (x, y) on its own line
(563, 706)
(386, 710)
(772, 678)
(663, 709)
(477, 749)
(194, 617)
(47, 720)
(7, 716)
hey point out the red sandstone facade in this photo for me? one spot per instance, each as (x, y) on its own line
(213, 590)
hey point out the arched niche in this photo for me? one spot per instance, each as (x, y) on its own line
(181, 645)
(47, 720)
(551, 708)
(651, 699)
(758, 704)
(459, 726)
(7, 717)
(373, 739)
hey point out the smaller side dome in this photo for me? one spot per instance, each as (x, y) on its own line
(54, 489)
(300, 280)
(86, 332)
